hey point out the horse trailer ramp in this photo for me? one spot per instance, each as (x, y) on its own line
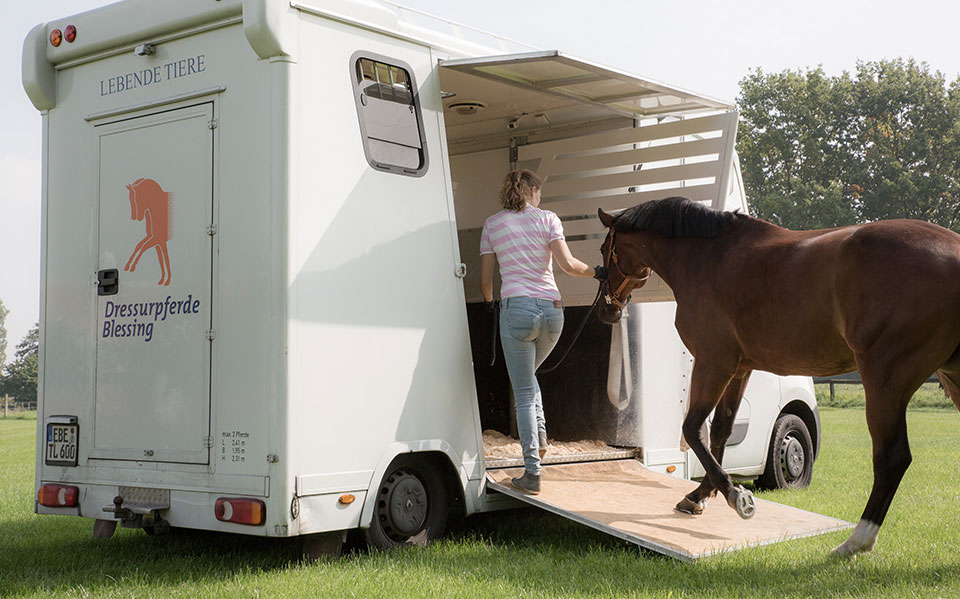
(624, 499)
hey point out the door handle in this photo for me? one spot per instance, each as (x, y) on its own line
(108, 281)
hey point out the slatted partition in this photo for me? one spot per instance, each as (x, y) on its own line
(618, 169)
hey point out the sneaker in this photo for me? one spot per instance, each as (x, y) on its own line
(528, 482)
(542, 435)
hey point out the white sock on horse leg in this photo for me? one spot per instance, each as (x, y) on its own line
(861, 540)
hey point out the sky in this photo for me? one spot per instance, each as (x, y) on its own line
(705, 46)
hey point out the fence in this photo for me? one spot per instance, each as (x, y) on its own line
(12, 405)
(851, 378)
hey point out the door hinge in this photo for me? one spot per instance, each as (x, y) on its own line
(208, 441)
(211, 229)
(212, 124)
(211, 334)
(460, 270)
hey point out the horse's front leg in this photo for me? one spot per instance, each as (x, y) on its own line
(708, 382)
(137, 252)
(720, 430)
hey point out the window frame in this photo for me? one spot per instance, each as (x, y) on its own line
(415, 93)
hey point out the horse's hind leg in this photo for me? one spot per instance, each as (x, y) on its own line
(164, 260)
(720, 431)
(886, 401)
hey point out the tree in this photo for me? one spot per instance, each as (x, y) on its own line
(20, 376)
(820, 151)
(908, 125)
(3, 334)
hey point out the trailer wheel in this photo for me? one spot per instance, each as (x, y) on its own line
(790, 457)
(411, 505)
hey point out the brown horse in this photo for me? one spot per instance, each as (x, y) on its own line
(882, 298)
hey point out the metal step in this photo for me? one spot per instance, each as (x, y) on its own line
(570, 458)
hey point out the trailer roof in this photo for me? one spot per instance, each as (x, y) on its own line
(554, 73)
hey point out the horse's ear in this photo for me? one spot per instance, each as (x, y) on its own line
(606, 219)
(128, 187)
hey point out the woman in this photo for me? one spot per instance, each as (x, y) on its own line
(524, 239)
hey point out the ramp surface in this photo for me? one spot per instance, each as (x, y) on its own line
(626, 500)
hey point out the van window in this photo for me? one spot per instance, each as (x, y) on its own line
(389, 112)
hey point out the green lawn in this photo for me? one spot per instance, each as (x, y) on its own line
(517, 554)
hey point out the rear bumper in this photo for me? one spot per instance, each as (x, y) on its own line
(285, 517)
(187, 509)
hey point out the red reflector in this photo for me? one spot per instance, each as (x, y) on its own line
(58, 495)
(241, 510)
(70, 33)
(55, 37)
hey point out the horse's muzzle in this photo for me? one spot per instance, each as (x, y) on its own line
(608, 313)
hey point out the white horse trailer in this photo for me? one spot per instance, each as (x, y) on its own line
(259, 309)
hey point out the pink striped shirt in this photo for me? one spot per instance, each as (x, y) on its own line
(521, 242)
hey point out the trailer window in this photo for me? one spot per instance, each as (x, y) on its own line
(389, 112)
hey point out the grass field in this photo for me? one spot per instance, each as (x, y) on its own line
(516, 554)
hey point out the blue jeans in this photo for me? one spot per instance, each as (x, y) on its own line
(529, 329)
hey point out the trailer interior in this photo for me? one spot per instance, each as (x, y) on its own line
(597, 138)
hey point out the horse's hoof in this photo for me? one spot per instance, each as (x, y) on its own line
(848, 550)
(861, 540)
(741, 500)
(689, 507)
(842, 551)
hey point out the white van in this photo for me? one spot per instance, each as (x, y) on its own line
(259, 307)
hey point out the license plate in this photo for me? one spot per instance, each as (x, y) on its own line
(62, 444)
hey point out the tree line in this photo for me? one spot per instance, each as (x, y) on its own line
(18, 379)
(880, 143)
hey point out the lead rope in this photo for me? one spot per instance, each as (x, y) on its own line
(576, 335)
(493, 335)
(541, 370)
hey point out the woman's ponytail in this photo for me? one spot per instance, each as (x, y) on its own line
(516, 189)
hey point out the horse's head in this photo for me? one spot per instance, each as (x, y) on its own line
(136, 208)
(625, 272)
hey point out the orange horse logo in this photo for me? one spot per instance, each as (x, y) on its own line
(150, 203)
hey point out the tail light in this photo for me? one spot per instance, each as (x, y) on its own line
(56, 36)
(70, 34)
(241, 510)
(58, 495)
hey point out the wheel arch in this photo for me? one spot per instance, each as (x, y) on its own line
(434, 453)
(809, 416)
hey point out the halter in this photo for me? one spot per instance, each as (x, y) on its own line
(613, 260)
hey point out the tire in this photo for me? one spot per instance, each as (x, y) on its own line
(411, 505)
(790, 457)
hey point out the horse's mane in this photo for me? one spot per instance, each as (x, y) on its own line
(676, 217)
